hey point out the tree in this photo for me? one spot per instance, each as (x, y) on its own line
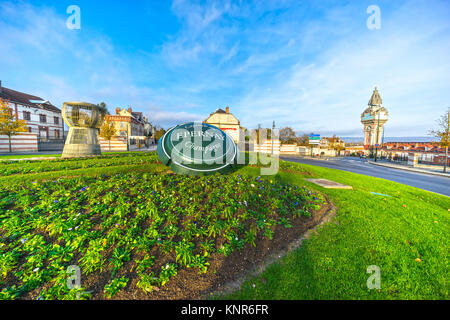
(443, 133)
(264, 133)
(303, 140)
(287, 135)
(337, 144)
(108, 130)
(159, 133)
(103, 106)
(9, 126)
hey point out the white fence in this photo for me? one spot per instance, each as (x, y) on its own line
(19, 143)
(266, 147)
(288, 149)
(117, 143)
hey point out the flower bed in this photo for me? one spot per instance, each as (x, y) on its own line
(133, 231)
(37, 166)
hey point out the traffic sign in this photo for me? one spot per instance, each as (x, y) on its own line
(314, 139)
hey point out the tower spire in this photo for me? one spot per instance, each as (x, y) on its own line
(375, 99)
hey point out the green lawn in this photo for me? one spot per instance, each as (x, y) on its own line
(390, 232)
(6, 156)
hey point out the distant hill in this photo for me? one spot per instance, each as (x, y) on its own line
(391, 139)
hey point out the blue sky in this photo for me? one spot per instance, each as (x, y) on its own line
(311, 65)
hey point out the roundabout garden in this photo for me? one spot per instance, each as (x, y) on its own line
(139, 235)
(124, 226)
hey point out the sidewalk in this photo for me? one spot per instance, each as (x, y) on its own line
(408, 168)
(305, 157)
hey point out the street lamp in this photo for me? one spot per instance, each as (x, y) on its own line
(376, 138)
(271, 134)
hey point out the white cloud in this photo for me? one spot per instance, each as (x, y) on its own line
(169, 119)
(266, 60)
(406, 60)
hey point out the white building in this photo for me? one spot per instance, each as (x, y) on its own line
(42, 118)
(226, 121)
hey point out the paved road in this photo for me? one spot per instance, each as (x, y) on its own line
(422, 181)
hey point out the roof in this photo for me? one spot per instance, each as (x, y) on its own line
(28, 99)
(137, 115)
(219, 111)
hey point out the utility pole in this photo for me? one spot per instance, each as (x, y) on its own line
(446, 141)
(128, 148)
(258, 134)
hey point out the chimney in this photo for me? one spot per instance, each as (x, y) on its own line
(228, 110)
(117, 110)
(129, 110)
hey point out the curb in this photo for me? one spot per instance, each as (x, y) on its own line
(303, 157)
(410, 169)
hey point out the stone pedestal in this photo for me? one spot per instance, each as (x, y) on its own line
(84, 121)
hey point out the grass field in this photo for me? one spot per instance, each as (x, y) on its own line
(406, 234)
(5, 156)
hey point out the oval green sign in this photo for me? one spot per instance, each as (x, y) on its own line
(197, 148)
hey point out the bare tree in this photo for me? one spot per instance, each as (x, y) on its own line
(287, 135)
(303, 140)
(443, 133)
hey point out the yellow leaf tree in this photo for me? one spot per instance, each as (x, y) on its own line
(159, 133)
(108, 130)
(9, 125)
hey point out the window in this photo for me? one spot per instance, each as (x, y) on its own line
(56, 120)
(26, 115)
(42, 118)
(56, 132)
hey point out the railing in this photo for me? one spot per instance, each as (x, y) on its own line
(433, 162)
(45, 144)
(398, 159)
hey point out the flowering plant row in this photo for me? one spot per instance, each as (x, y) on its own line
(37, 166)
(150, 225)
